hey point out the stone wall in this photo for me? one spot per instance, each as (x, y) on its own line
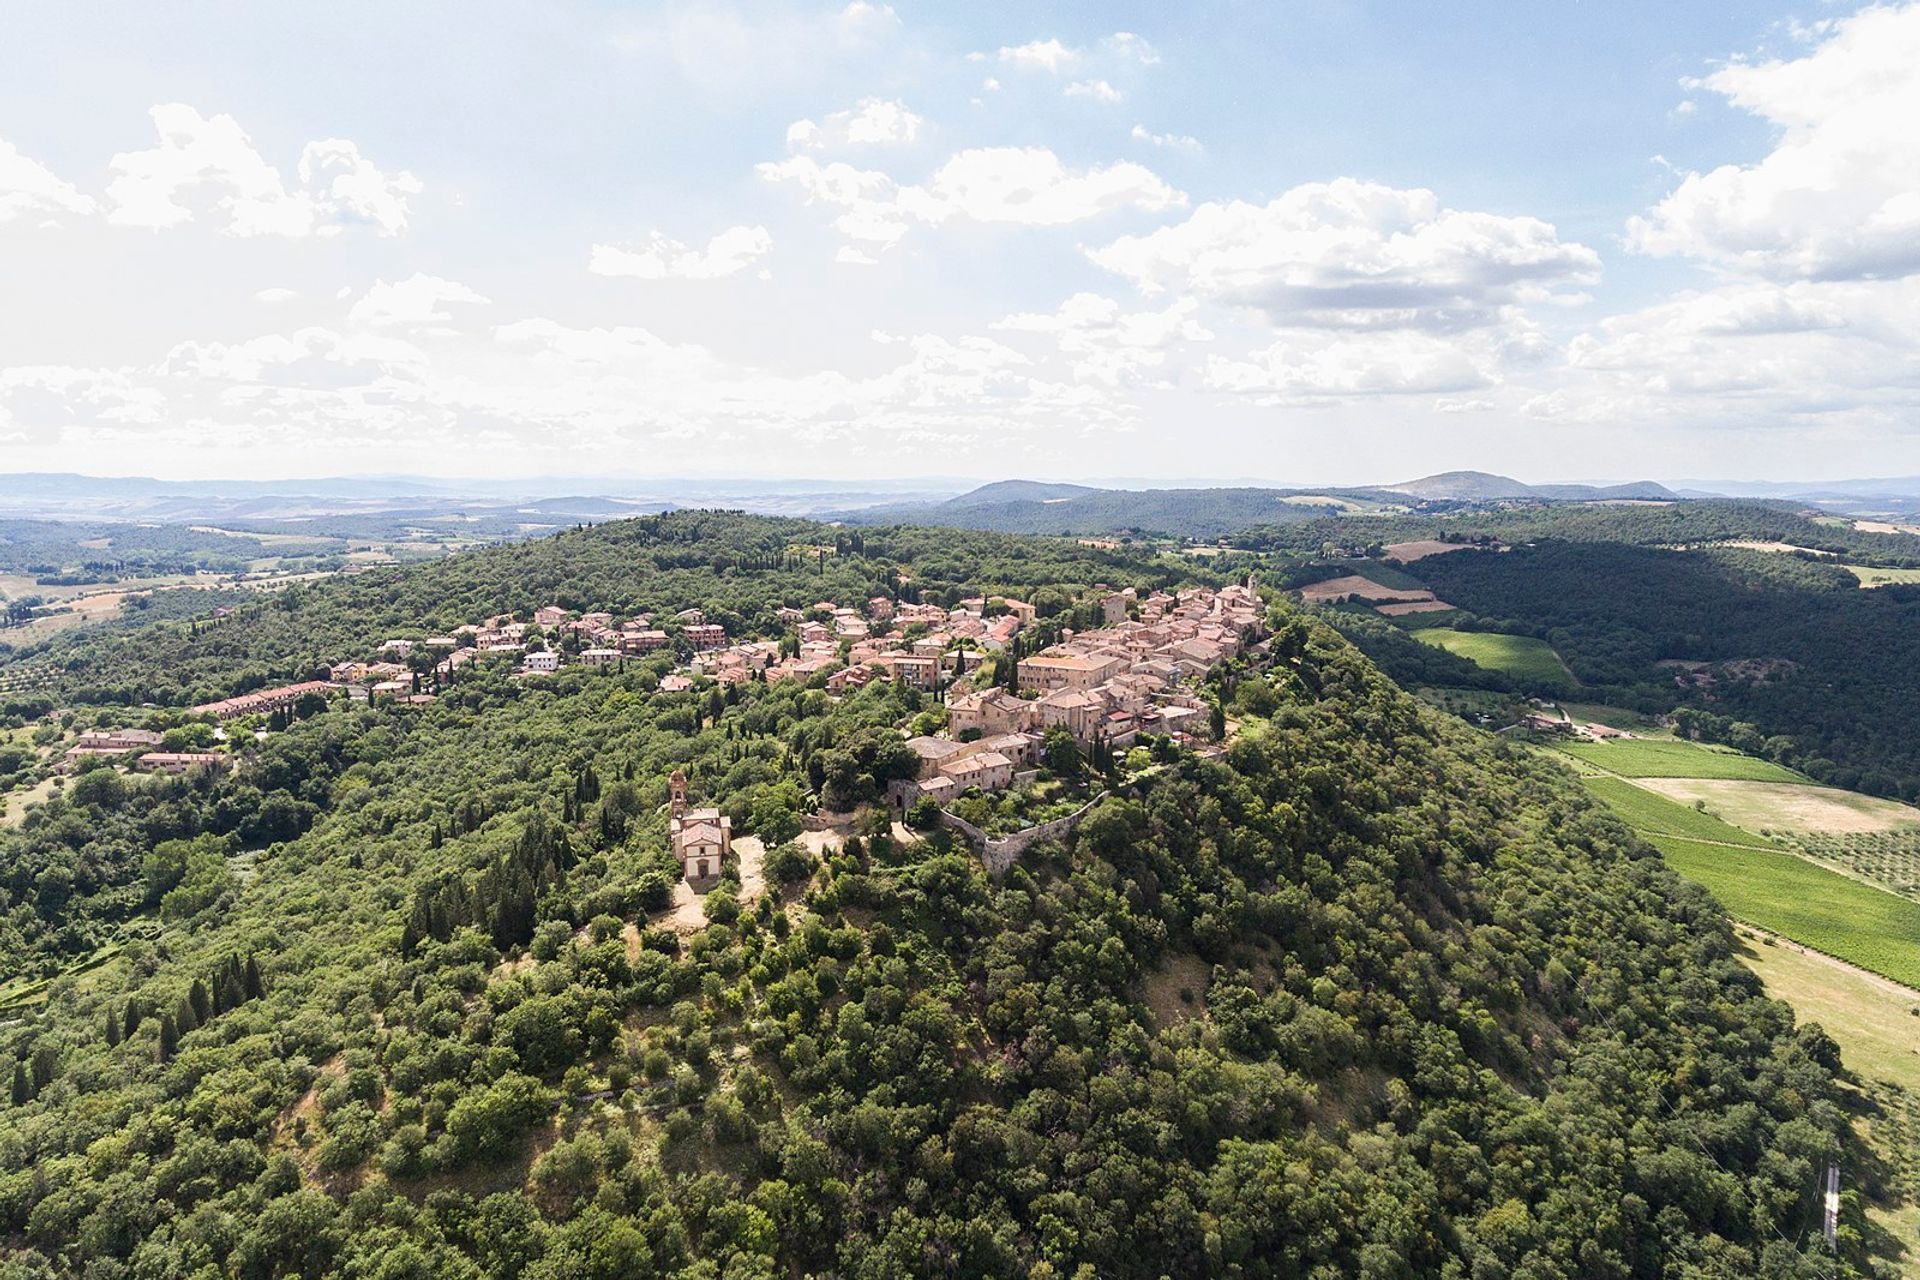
(1000, 854)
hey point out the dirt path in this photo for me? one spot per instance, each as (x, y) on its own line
(1899, 990)
(687, 912)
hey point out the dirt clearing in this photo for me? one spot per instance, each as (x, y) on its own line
(1787, 806)
(1421, 548)
(1353, 586)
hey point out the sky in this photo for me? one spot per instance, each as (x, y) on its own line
(1297, 243)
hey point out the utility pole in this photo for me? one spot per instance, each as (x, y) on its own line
(1831, 1226)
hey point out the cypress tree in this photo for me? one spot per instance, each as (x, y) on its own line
(22, 1086)
(202, 1001)
(130, 1022)
(169, 1039)
(183, 1016)
(250, 980)
(113, 1029)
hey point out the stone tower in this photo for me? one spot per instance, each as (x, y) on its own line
(676, 794)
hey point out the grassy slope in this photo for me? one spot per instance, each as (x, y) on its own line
(1657, 815)
(1522, 657)
(1791, 806)
(1874, 1024)
(1810, 904)
(1871, 576)
(1640, 759)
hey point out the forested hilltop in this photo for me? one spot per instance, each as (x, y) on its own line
(1365, 993)
(739, 569)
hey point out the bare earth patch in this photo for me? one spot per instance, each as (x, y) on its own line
(1421, 548)
(307, 1108)
(1162, 988)
(1783, 548)
(820, 843)
(518, 964)
(1356, 587)
(1394, 609)
(687, 914)
(1789, 806)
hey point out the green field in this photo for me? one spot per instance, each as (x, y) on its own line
(1823, 909)
(1521, 657)
(1871, 576)
(1638, 758)
(1654, 815)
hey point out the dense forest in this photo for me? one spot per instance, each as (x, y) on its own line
(1368, 994)
(1807, 668)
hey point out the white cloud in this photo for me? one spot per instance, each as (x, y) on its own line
(202, 158)
(1042, 55)
(872, 121)
(1129, 47)
(731, 251)
(347, 187)
(579, 390)
(417, 300)
(1171, 141)
(1787, 340)
(1030, 186)
(1838, 196)
(1027, 186)
(313, 353)
(1350, 254)
(275, 294)
(28, 187)
(867, 199)
(1121, 49)
(1098, 90)
(1108, 344)
(864, 18)
(43, 399)
(1302, 368)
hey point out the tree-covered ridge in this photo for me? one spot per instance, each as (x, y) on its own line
(1643, 524)
(1442, 1016)
(64, 551)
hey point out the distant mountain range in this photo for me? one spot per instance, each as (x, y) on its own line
(1027, 506)
(1197, 509)
(1479, 486)
(62, 495)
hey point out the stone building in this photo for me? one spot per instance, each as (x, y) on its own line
(702, 838)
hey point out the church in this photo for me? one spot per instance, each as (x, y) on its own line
(702, 838)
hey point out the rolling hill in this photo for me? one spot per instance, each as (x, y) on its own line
(1021, 506)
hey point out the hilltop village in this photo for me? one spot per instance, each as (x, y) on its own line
(1013, 689)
